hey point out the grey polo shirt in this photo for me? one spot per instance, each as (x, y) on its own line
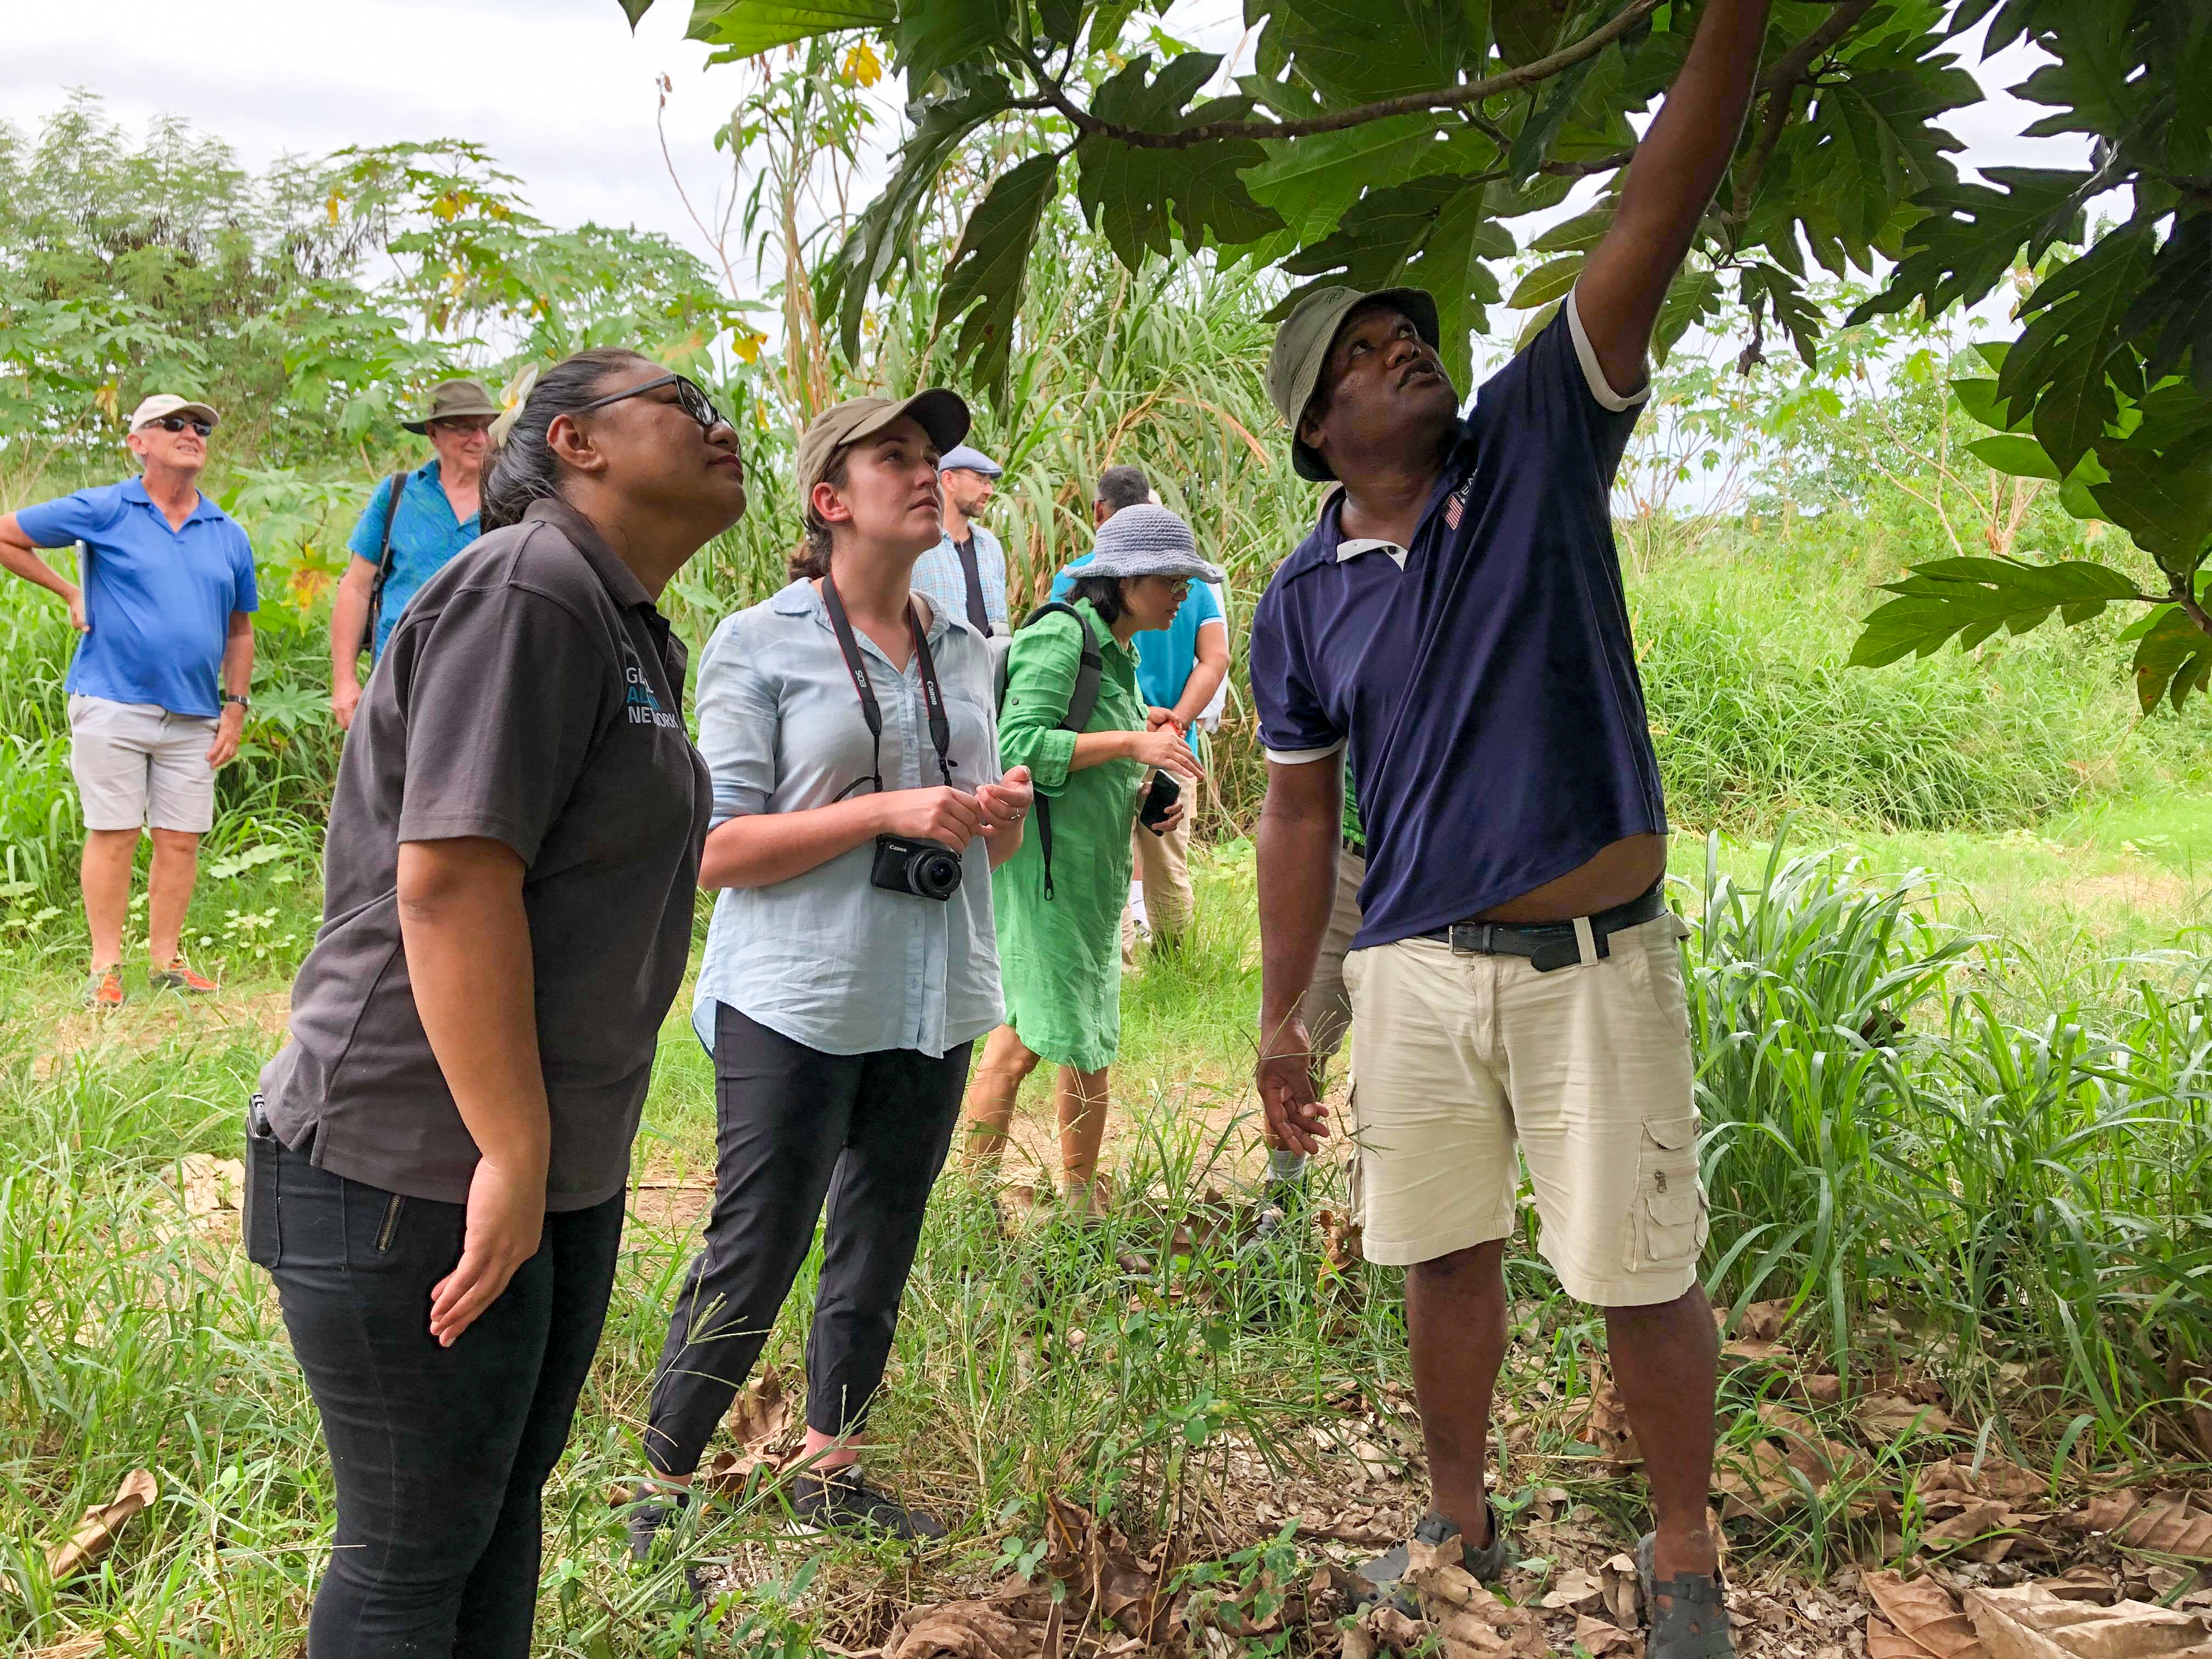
(531, 695)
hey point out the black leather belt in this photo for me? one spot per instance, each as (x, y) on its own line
(1548, 945)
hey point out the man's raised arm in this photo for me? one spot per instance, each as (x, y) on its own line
(1676, 169)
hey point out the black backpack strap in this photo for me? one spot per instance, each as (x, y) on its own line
(1082, 702)
(383, 563)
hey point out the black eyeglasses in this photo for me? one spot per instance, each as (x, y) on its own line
(179, 422)
(692, 401)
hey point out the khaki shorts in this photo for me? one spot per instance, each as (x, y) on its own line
(138, 765)
(1457, 1057)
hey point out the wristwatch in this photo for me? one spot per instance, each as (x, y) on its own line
(243, 702)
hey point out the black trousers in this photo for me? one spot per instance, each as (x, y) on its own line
(870, 1131)
(439, 1455)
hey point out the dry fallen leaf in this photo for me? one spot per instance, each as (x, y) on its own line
(1997, 1477)
(1980, 1522)
(2083, 1583)
(1606, 1426)
(1763, 1322)
(761, 1412)
(2029, 1622)
(211, 1183)
(1886, 1416)
(1923, 1615)
(1102, 1574)
(75, 1647)
(1575, 1588)
(1598, 1638)
(1358, 1525)
(2175, 1523)
(1624, 1588)
(97, 1527)
(966, 1630)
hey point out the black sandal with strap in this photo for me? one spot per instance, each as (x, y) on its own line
(1694, 1625)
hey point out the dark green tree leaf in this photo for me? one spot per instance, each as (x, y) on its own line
(884, 237)
(1972, 599)
(1978, 398)
(2059, 368)
(930, 36)
(1547, 282)
(1692, 297)
(2174, 656)
(1974, 233)
(1769, 290)
(1311, 182)
(2016, 454)
(984, 281)
(741, 28)
(1358, 51)
(2172, 317)
(2160, 494)
(1526, 30)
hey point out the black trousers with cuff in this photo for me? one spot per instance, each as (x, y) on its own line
(794, 1126)
(439, 1455)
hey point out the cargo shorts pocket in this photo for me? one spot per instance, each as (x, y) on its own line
(1662, 957)
(1667, 1218)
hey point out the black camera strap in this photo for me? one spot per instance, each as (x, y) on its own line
(932, 695)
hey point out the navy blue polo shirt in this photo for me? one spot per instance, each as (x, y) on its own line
(1482, 679)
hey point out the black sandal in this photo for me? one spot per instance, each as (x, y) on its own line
(1695, 1623)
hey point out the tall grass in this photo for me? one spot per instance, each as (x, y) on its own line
(1949, 1161)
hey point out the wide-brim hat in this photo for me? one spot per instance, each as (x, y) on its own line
(168, 402)
(940, 413)
(1301, 352)
(456, 400)
(1145, 540)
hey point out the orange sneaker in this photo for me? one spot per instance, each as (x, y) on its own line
(104, 989)
(178, 977)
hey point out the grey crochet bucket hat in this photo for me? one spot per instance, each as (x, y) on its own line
(1145, 540)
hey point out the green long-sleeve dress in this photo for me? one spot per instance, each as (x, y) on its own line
(1060, 959)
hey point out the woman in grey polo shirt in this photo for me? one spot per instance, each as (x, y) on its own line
(858, 810)
(437, 1159)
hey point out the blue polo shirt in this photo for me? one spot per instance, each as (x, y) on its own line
(424, 538)
(1484, 679)
(158, 600)
(1165, 656)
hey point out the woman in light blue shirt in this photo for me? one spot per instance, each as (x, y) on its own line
(859, 810)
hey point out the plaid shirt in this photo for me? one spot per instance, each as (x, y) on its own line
(939, 579)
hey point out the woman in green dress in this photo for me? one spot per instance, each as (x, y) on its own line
(1059, 952)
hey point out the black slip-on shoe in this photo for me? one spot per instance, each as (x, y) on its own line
(842, 1500)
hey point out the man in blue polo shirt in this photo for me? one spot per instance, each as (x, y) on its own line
(1456, 621)
(1179, 669)
(398, 547)
(165, 618)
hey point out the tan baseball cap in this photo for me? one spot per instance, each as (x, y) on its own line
(1301, 352)
(167, 403)
(940, 413)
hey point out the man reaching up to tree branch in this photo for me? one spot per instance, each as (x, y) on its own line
(1456, 618)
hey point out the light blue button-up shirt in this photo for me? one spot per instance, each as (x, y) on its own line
(825, 957)
(939, 578)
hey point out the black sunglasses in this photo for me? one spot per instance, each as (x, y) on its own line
(692, 401)
(179, 422)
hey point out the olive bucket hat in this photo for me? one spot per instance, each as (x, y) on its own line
(941, 414)
(1301, 352)
(455, 400)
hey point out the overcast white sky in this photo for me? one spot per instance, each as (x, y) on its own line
(559, 90)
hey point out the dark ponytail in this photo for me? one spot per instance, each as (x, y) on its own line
(522, 468)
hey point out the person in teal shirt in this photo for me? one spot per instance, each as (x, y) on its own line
(436, 518)
(1179, 669)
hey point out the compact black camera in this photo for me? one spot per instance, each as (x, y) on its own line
(1159, 800)
(927, 869)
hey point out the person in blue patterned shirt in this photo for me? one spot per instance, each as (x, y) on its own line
(965, 574)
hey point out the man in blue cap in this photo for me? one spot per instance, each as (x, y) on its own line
(965, 575)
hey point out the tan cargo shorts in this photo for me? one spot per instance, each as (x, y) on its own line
(1455, 1058)
(138, 765)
